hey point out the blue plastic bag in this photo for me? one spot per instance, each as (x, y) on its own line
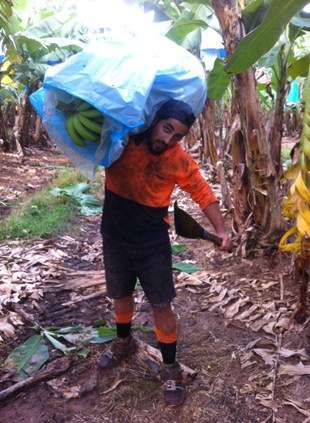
(128, 82)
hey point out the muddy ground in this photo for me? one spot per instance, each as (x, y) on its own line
(233, 330)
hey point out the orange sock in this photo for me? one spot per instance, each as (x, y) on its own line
(124, 317)
(166, 338)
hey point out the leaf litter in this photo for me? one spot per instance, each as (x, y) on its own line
(42, 269)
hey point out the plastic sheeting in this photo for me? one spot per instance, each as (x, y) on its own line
(127, 82)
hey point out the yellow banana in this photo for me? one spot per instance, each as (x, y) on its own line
(85, 133)
(90, 124)
(76, 138)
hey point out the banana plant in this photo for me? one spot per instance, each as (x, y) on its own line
(8, 42)
(188, 19)
(40, 45)
(297, 207)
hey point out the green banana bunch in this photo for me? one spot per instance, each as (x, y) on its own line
(85, 123)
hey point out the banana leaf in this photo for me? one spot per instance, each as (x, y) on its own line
(183, 27)
(253, 14)
(185, 267)
(49, 26)
(218, 81)
(59, 345)
(192, 40)
(263, 38)
(27, 358)
(178, 248)
(299, 67)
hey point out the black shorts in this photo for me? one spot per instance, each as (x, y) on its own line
(151, 263)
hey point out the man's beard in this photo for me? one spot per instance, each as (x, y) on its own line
(150, 146)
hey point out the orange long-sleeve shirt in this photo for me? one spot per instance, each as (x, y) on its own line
(138, 190)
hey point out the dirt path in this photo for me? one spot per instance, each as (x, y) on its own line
(233, 332)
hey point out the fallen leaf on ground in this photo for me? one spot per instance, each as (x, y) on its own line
(298, 405)
(113, 386)
(267, 402)
(302, 353)
(290, 369)
(268, 356)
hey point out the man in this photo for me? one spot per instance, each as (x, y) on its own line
(135, 233)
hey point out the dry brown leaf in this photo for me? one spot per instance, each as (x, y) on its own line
(269, 328)
(247, 313)
(113, 386)
(251, 344)
(247, 364)
(246, 357)
(268, 356)
(270, 306)
(267, 402)
(290, 369)
(3, 270)
(302, 353)
(6, 327)
(246, 389)
(283, 322)
(255, 316)
(234, 308)
(256, 326)
(222, 303)
(298, 405)
(267, 285)
(186, 279)
(15, 319)
(216, 287)
(219, 297)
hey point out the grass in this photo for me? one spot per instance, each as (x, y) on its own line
(43, 214)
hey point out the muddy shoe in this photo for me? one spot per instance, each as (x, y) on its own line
(174, 392)
(117, 350)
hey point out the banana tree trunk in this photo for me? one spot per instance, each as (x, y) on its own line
(276, 133)
(15, 140)
(25, 122)
(3, 131)
(210, 141)
(38, 129)
(264, 199)
(241, 182)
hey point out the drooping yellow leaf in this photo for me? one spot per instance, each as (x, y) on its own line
(292, 171)
(295, 246)
(302, 225)
(302, 189)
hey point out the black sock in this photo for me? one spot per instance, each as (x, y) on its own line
(168, 352)
(123, 329)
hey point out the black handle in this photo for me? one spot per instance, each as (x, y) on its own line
(210, 237)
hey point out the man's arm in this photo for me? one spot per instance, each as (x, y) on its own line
(213, 213)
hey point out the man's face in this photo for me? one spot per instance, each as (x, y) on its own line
(165, 134)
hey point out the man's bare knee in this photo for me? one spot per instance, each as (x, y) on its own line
(124, 305)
